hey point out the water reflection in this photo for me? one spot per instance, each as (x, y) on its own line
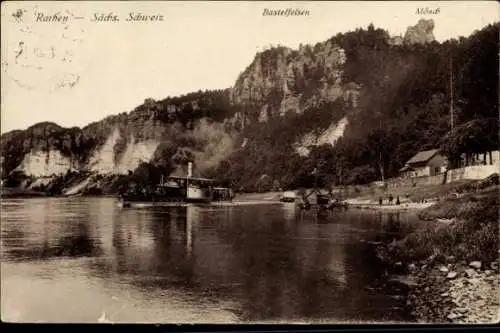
(272, 269)
(47, 233)
(290, 211)
(270, 263)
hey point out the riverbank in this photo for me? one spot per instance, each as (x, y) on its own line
(405, 206)
(456, 293)
(451, 266)
(25, 193)
(267, 196)
(20, 193)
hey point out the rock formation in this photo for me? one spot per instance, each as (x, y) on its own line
(420, 33)
(282, 80)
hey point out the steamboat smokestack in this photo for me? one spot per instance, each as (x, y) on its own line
(190, 169)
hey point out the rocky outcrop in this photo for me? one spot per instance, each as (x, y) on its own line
(43, 149)
(165, 132)
(455, 293)
(45, 163)
(420, 33)
(474, 294)
(396, 40)
(282, 80)
(329, 136)
(104, 159)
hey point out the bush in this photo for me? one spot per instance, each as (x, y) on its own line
(265, 184)
(474, 235)
(15, 179)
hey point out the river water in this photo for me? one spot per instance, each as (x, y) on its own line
(83, 259)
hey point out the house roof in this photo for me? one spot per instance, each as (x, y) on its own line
(190, 178)
(423, 156)
(405, 168)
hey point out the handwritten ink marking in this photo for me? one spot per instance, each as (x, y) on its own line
(55, 17)
(22, 85)
(100, 17)
(135, 17)
(285, 12)
(18, 15)
(5, 65)
(428, 11)
(20, 51)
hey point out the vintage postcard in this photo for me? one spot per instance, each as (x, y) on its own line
(249, 162)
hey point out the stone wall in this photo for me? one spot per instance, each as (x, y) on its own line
(416, 181)
(472, 172)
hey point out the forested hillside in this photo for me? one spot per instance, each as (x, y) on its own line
(404, 107)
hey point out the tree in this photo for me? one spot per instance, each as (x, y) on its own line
(473, 137)
(149, 174)
(15, 178)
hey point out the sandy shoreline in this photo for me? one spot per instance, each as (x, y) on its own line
(259, 199)
(369, 204)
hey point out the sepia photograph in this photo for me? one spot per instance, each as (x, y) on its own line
(250, 162)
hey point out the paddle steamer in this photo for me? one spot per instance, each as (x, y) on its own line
(178, 191)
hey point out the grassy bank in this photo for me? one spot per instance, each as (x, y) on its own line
(466, 228)
(419, 193)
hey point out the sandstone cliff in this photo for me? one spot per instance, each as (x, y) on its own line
(420, 33)
(171, 131)
(282, 80)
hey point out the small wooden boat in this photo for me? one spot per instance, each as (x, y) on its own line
(339, 204)
(288, 196)
(445, 221)
(304, 205)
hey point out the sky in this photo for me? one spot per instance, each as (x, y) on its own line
(79, 71)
